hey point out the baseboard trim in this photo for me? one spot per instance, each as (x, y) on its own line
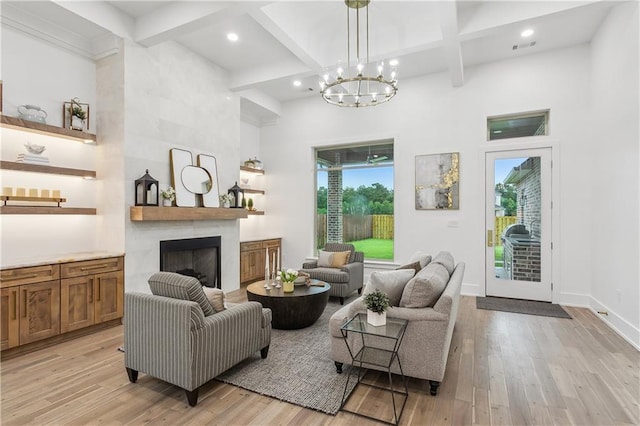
(622, 327)
(469, 289)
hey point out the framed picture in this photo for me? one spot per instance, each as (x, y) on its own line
(438, 181)
(75, 115)
(210, 198)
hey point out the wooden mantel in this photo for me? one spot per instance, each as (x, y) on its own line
(142, 213)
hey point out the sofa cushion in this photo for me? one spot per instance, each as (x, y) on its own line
(425, 288)
(445, 259)
(391, 283)
(330, 275)
(415, 266)
(325, 259)
(215, 297)
(176, 286)
(420, 256)
(340, 258)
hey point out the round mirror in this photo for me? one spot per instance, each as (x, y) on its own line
(196, 180)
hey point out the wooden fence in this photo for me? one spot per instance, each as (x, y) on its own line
(501, 223)
(357, 227)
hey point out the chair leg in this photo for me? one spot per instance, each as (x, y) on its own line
(192, 397)
(360, 290)
(338, 367)
(434, 387)
(264, 352)
(133, 374)
(342, 300)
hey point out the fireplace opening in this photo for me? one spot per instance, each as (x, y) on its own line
(195, 257)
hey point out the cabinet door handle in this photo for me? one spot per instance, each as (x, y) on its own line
(98, 290)
(14, 295)
(24, 303)
(89, 268)
(90, 290)
(20, 277)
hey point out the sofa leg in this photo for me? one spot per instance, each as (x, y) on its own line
(264, 352)
(133, 375)
(360, 290)
(192, 397)
(338, 367)
(433, 387)
(342, 300)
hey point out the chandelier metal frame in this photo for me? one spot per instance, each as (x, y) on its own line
(358, 90)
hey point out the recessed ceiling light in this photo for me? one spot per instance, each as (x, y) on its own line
(393, 62)
(232, 37)
(527, 33)
(297, 83)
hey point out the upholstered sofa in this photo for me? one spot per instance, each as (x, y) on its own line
(344, 279)
(425, 347)
(176, 335)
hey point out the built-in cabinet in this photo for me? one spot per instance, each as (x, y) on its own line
(45, 301)
(253, 258)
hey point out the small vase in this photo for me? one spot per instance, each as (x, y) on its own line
(166, 203)
(287, 286)
(376, 319)
(77, 123)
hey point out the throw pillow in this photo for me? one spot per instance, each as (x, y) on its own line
(425, 288)
(325, 259)
(215, 297)
(420, 256)
(445, 259)
(391, 283)
(415, 266)
(176, 286)
(340, 258)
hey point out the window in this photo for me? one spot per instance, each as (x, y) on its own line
(354, 197)
(534, 123)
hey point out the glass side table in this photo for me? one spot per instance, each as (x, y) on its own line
(378, 348)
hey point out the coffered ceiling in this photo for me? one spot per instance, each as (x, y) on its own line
(283, 41)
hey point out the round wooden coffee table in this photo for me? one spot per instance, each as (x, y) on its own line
(295, 310)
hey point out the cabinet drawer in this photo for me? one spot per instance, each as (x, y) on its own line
(254, 245)
(271, 243)
(90, 267)
(30, 275)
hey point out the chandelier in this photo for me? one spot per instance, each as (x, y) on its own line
(359, 83)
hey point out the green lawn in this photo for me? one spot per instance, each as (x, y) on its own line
(375, 249)
(498, 256)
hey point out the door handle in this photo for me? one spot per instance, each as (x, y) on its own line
(90, 290)
(98, 291)
(24, 313)
(14, 295)
(489, 237)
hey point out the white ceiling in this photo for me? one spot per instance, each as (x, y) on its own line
(283, 41)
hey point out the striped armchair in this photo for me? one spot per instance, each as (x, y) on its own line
(175, 334)
(344, 280)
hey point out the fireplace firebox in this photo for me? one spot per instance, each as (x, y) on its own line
(196, 257)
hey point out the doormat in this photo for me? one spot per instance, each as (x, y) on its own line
(298, 369)
(518, 306)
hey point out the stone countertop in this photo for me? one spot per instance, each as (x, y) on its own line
(71, 257)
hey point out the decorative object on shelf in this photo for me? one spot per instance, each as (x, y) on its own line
(211, 198)
(225, 200)
(75, 115)
(358, 83)
(250, 205)
(168, 196)
(238, 196)
(32, 113)
(244, 182)
(35, 149)
(179, 159)
(438, 181)
(146, 190)
(253, 163)
(34, 156)
(377, 304)
(288, 278)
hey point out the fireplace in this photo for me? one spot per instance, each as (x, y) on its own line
(196, 257)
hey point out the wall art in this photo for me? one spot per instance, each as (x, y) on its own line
(438, 181)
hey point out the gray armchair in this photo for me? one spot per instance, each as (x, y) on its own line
(344, 280)
(175, 334)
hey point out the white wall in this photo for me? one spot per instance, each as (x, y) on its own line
(38, 73)
(615, 188)
(429, 116)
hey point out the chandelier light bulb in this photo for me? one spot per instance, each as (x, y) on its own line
(339, 71)
(373, 97)
(360, 67)
(340, 96)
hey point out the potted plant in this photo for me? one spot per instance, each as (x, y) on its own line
(250, 204)
(288, 278)
(225, 200)
(377, 304)
(168, 196)
(78, 115)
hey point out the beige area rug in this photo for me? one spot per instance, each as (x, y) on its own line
(298, 368)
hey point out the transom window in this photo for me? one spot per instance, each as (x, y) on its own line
(520, 125)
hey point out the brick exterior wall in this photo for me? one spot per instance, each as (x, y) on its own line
(530, 187)
(334, 207)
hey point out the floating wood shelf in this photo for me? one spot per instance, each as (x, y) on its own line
(255, 212)
(46, 129)
(37, 168)
(144, 213)
(252, 191)
(46, 210)
(252, 170)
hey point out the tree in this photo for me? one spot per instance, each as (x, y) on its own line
(508, 199)
(321, 200)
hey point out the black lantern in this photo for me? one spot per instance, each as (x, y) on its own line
(146, 191)
(238, 195)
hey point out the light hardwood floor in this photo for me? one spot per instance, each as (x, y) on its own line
(503, 369)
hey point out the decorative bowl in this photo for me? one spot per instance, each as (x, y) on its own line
(35, 149)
